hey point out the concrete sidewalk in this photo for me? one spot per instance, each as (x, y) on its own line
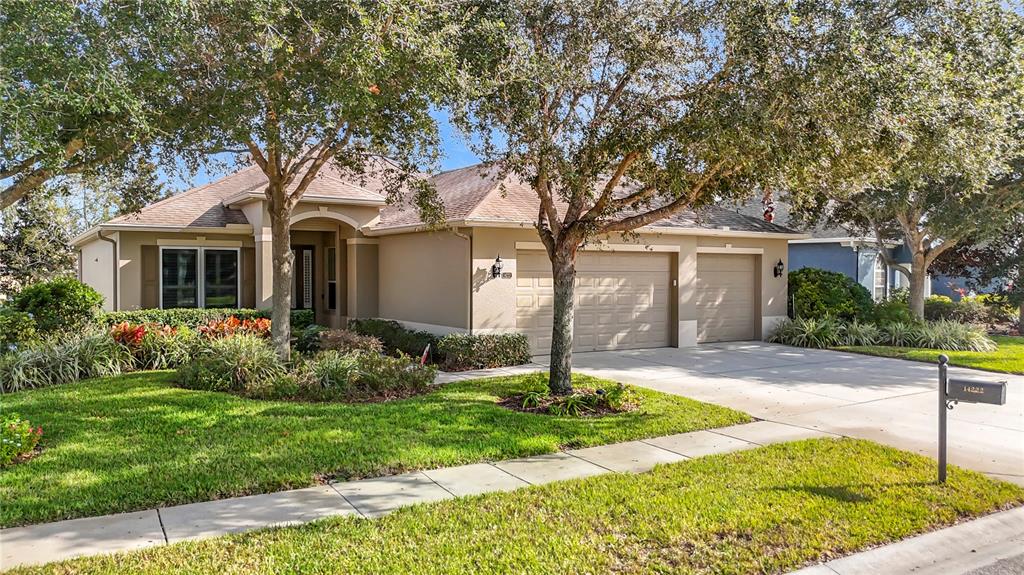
(37, 544)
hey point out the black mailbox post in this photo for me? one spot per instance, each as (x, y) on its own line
(952, 391)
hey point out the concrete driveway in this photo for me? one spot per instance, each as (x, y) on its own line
(890, 401)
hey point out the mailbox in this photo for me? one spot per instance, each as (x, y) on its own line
(973, 391)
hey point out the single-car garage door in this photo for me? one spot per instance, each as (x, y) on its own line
(726, 297)
(622, 300)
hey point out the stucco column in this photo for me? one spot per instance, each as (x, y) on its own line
(363, 274)
(686, 290)
(264, 269)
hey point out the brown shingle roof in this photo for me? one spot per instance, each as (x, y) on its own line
(476, 193)
(204, 207)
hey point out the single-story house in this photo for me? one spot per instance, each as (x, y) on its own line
(841, 250)
(713, 276)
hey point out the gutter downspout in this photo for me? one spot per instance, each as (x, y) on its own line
(117, 279)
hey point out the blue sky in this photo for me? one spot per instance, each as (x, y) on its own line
(456, 155)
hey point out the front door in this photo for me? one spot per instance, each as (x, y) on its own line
(302, 277)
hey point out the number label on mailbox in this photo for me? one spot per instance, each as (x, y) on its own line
(970, 391)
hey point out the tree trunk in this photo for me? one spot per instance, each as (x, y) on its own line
(563, 268)
(918, 276)
(1020, 320)
(280, 326)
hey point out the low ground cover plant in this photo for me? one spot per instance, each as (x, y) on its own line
(235, 364)
(18, 438)
(463, 351)
(591, 397)
(830, 332)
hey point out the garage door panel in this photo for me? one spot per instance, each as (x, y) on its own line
(622, 300)
(726, 297)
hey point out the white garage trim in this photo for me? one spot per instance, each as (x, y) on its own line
(603, 247)
(729, 250)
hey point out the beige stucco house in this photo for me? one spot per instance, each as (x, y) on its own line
(692, 278)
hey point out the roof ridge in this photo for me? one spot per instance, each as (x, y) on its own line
(486, 195)
(180, 195)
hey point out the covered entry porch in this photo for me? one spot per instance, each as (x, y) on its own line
(334, 271)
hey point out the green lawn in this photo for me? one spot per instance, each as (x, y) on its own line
(136, 441)
(1009, 358)
(768, 510)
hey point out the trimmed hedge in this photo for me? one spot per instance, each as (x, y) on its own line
(396, 338)
(463, 351)
(816, 293)
(195, 317)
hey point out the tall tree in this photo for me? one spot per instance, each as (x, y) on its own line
(83, 84)
(945, 84)
(996, 264)
(35, 240)
(621, 113)
(291, 85)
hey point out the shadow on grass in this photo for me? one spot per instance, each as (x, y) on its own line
(854, 493)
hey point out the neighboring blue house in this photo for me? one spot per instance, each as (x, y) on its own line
(857, 256)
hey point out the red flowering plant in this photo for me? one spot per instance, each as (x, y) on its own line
(128, 335)
(229, 326)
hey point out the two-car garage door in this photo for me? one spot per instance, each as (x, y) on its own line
(622, 300)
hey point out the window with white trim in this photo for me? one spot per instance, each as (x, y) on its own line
(183, 286)
(881, 279)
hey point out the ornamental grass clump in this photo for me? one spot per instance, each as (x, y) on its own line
(233, 364)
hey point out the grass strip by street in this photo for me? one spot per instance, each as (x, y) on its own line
(767, 510)
(136, 441)
(1009, 358)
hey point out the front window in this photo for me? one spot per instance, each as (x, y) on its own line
(182, 284)
(179, 278)
(220, 285)
(881, 278)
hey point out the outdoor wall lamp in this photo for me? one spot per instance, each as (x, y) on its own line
(496, 268)
(779, 268)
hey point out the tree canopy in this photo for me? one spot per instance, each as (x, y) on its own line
(943, 83)
(85, 84)
(619, 114)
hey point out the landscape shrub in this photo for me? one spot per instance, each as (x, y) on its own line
(196, 317)
(328, 375)
(166, 347)
(998, 308)
(860, 333)
(308, 340)
(816, 293)
(901, 334)
(464, 351)
(891, 310)
(387, 377)
(64, 360)
(809, 332)
(59, 305)
(954, 336)
(347, 341)
(233, 364)
(232, 325)
(17, 438)
(396, 338)
(17, 328)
